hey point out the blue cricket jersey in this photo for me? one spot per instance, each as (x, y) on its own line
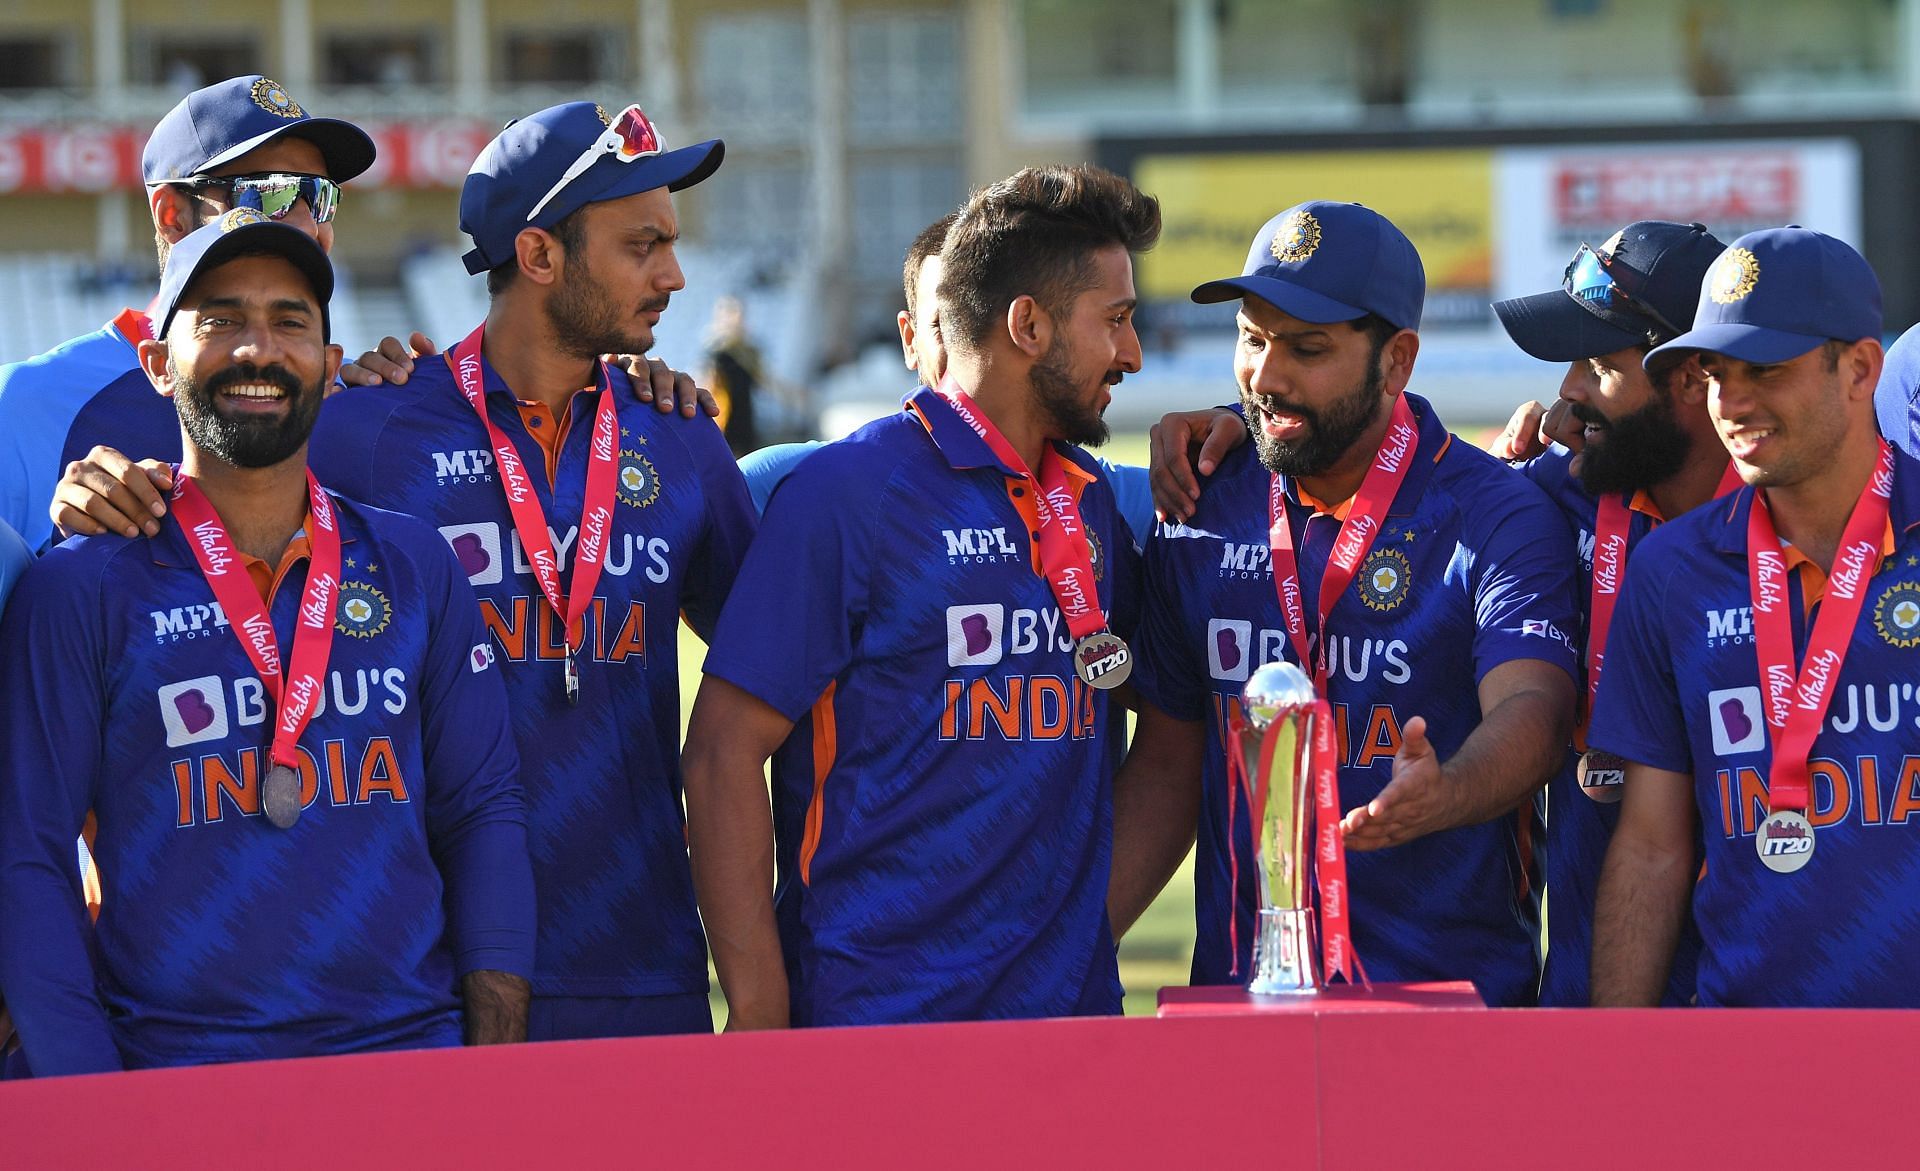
(1578, 828)
(55, 407)
(943, 808)
(1471, 569)
(15, 556)
(1682, 692)
(605, 823)
(226, 939)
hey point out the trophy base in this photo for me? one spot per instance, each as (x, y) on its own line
(1336, 999)
(1283, 954)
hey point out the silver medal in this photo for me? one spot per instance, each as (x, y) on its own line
(1102, 660)
(1785, 841)
(280, 796)
(1602, 776)
(572, 679)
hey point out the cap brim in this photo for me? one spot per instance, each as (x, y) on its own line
(347, 149)
(1748, 343)
(283, 240)
(1554, 328)
(1290, 299)
(675, 170)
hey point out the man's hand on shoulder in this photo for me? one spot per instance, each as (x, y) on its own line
(1533, 428)
(666, 388)
(389, 363)
(108, 493)
(1182, 442)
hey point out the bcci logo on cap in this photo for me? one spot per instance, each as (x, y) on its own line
(639, 484)
(272, 97)
(1897, 615)
(364, 610)
(1296, 238)
(240, 217)
(1734, 275)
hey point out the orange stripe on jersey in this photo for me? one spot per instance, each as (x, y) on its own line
(825, 748)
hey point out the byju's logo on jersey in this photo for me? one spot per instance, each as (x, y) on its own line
(1730, 627)
(480, 658)
(478, 548)
(363, 611)
(1737, 719)
(979, 546)
(196, 621)
(472, 466)
(1229, 649)
(638, 485)
(194, 711)
(976, 635)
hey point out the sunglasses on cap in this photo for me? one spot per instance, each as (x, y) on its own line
(274, 193)
(627, 138)
(1593, 279)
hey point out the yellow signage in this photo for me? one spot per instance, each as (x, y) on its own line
(1211, 206)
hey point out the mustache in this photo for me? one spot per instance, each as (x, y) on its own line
(658, 305)
(1271, 405)
(1587, 414)
(274, 375)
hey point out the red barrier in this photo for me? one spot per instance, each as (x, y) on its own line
(1334, 1088)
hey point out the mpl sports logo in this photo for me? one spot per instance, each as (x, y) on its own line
(183, 622)
(980, 546)
(473, 465)
(1732, 626)
(1241, 560)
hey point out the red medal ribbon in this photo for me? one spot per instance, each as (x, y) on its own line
(247, 613)
(1796, 705)
(1329, 848)
(1610, 526)
(1066, 559)
(529, 519)
(1364, 519)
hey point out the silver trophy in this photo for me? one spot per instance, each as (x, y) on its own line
(1280, 696)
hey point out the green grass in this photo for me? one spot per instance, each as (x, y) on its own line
(1160, 946)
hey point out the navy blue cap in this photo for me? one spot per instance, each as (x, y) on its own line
(1323, 262)
(239, 231)
(213, 126)
(1775, 294)
(523, 162)
(1655, 263)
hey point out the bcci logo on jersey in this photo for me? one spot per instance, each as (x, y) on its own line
(473, 466)
(1383, 579)
(1897, 615)
(363, 612)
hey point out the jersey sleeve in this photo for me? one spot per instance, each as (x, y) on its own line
(476, 811)
(1168, 671)
(767, 468)
(1133, 494)
(343, 451)
(1525, 586)
(730, 524)
(1636, 713)
(52, 724)
(790, 625)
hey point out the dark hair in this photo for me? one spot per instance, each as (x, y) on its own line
(927, 243)
(1830, 352)
(1034, 234)
(570, 231)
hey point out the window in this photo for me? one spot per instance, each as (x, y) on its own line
(34, 63)
(383, 60)
(573, 57)
(904, 77)
(1082, 56)
(753, 77)
(181, 63)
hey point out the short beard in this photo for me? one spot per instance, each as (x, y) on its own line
(1330, 432)
(1637, 450)
(242, 442)
(586, 323)
(1060, 399)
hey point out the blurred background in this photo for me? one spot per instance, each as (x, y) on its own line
(1498, 133)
